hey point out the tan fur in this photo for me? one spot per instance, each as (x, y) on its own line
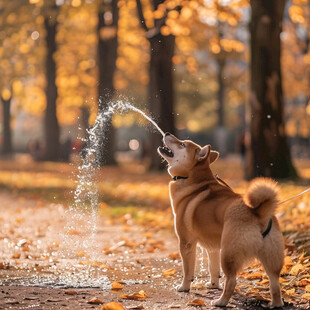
(229, 226)
(262, 195)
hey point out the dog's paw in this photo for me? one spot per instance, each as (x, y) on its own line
(183, 288)
(219, 303)
(213, 285)
(277, 305)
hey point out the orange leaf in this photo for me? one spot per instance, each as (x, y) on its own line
(265, 281)
(16, 255)
(197, 303)
(141, 295)
(304, 282)
(306, 296)
(174, 255)
(254, 275)
(169, 272)
(148, 235)
(117, 286)
(112, 306)
(70, 292)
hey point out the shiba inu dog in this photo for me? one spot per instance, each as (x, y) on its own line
(234, 229)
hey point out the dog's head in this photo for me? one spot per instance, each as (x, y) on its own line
(183, 156)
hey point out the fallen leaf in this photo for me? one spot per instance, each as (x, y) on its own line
(174, 255)
(112, 306)
(116, 286)
(70, 292)
(308, 288)
(254, 275)
(141, 295)
(303, 282)
(148, 235)
(297, 269)
(94, 300)
(140, 307)
(80, 253)
(306, 296)
(169, 272)
(16, 255)
(290, 292)
(197, 303)
(264, 281)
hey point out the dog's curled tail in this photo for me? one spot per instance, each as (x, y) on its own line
(262, 196)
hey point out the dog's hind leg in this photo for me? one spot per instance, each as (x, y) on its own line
(272, 260)
(188, 254)
(230, 266)
(214, 268)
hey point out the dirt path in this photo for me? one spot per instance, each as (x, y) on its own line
(48, 261)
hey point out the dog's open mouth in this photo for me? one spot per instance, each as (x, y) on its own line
(165, 151)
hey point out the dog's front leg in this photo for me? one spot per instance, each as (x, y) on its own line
(214, 268)
(188, 254)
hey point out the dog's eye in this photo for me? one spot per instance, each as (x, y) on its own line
(182, 144)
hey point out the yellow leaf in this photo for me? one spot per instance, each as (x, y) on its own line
(306, 296)
(112, 306)
(296, 269)
(116, 286)
(196, 303)
(290, 292)
(169, 272)
(308, 288)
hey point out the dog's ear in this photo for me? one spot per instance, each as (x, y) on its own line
(214, 155)
(204, 152)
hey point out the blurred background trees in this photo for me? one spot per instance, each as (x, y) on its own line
(186, 62)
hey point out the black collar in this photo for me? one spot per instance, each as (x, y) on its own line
(266, 232)
(179, 178)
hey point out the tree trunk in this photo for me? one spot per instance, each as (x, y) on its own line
(7, 133)
(161, 97)
(52, 146)
(221, 90)
(268, 153)
(107, 54)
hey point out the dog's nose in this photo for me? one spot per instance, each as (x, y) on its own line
(167, 134)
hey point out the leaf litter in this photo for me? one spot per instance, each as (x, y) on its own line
(30, 242)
